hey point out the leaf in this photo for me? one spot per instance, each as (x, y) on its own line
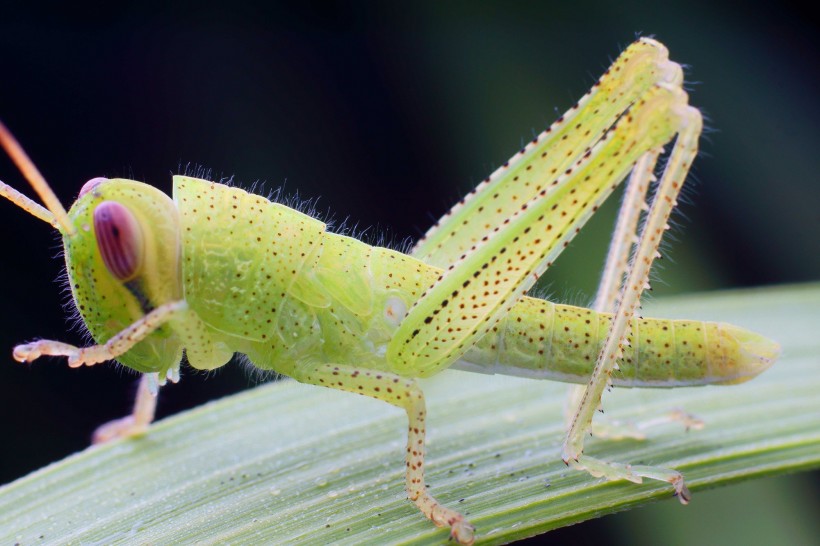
(287, 463)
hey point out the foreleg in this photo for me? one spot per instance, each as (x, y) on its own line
(146, 400)
(119, 344)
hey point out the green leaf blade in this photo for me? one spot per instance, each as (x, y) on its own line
(291, 463)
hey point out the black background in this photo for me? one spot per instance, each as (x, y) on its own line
(387, 114)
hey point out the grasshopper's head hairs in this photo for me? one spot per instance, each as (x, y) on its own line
(123, 262)
(54, 213)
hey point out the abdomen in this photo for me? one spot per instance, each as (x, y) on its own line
(542, 340)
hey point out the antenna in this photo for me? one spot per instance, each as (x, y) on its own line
(54, 213)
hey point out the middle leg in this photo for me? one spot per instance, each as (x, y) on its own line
(405, 394)
(137, 422)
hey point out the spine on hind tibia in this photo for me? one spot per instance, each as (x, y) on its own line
(543, 340)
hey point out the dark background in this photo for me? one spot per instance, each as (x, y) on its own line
(388, 115)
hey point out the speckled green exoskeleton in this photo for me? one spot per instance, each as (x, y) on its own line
(214, 270)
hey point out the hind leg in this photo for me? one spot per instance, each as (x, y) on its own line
(627, 300)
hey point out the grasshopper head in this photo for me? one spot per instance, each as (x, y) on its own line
(122, 261)
(121, 242)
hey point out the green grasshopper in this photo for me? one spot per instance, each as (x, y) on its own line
(215, 270)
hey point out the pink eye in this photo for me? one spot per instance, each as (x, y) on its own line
(91, 184)
(119, 239)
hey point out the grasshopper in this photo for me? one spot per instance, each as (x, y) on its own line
(214, 270)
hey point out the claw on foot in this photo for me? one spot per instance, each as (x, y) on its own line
(689, 421)
(29, 352)
(125, 427)
(463, 532)
(681, 491)
(635, 474)
(666, 475)
(22, 353)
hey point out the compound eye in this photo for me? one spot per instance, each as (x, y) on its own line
(91, 184)
(119, 239)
